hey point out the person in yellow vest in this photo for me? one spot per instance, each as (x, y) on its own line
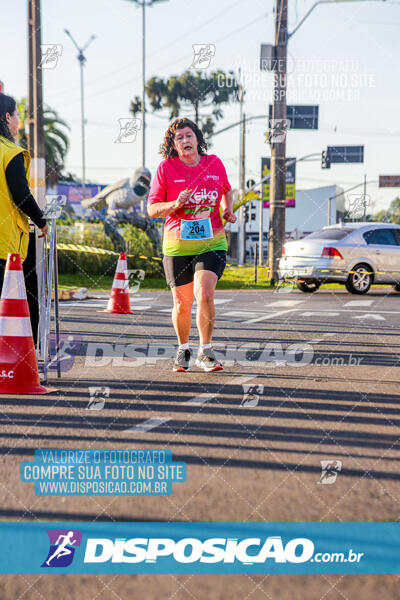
(16, 200)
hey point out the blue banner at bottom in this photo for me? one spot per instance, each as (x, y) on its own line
(208, 548)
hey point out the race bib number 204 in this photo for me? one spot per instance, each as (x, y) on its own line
(198, 229)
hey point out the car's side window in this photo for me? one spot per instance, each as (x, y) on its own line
(397, 235)
(384, 237)
(368, 237)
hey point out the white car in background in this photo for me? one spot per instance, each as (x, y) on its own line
(355, 254)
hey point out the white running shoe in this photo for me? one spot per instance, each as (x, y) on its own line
(206, 360)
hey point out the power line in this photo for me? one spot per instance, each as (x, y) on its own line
(172, 63)
(157, 51)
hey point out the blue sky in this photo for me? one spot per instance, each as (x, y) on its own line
(345, 58)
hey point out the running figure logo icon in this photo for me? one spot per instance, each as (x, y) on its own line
(54, 204)
(330, 470)
(251, 394)
(128, 129)
(50, 55)
(357, 205)
(277, 130)
(98, 395)
(62, 547)
(135, 278)
(203, 54)
(68, 349)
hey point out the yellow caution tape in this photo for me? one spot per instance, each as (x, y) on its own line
(81, 248)
(91, 250)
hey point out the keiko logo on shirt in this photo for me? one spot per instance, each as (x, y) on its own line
(203, 196)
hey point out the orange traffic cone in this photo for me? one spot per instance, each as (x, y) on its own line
(18, 366)
(119, 301)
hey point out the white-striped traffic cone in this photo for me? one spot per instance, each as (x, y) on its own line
(119, 301)
(18, 366)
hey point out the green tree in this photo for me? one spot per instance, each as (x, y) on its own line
(56, 140)
(191, 91)
(391, 215)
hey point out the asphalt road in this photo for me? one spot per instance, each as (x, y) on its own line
(308, 378)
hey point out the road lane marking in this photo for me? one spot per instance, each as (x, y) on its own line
(359, 303)
(202, 398)
(222, 300)
(317, 313)
(270, 316)
(371, 316)
(285, 303)
(149, 424)
(154, 422)
(89, 304)
(80, 303)
(360, 312)
(242, 313)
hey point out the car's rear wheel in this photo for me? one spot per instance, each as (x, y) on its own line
(308, 286)
(396, 287)
(360, 279)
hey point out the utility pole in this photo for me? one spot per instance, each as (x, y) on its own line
(34, 262)
(276, 234)
(82, 59)
(242, 223)
(261, 229)
(35, 107)
(242, 210)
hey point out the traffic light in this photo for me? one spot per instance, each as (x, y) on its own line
(325, 160)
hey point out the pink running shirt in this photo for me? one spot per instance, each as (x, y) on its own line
(197, 226)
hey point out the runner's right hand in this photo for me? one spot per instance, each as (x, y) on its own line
(182, 198)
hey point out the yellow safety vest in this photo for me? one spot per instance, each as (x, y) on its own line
(14, 226)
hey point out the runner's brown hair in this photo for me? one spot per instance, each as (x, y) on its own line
(167, 148)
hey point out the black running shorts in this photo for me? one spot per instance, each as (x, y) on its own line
(180, 270)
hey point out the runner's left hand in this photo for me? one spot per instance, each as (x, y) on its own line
(229, 216)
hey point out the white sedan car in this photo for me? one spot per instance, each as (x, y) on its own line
(355, 254)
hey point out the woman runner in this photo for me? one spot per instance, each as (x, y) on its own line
(187, 191)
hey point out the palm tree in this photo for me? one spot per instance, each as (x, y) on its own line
(56, 142)
(191, 92)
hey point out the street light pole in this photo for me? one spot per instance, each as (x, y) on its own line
(143, 4)
(143, 84)
(82, 59)
(300, 23)
(365, 197)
